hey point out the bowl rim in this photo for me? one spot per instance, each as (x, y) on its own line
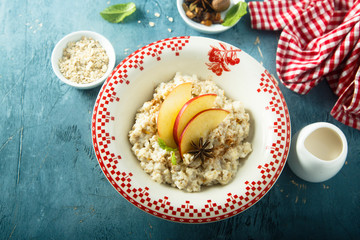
(103, 141)
(74, 36)
(214, 29)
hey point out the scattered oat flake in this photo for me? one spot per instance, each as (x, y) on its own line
(151, 24)
(169, 30)
(257, 41)
(260, 52)
(295, 183)
(157, 14)
(170, 19)
(139, 21)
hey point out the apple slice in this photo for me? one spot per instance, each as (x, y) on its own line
(189, 110)
(169, 109)
(200, 126)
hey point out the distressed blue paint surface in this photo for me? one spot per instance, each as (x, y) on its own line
(51, 186)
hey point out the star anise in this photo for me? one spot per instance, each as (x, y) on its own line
(200, 150)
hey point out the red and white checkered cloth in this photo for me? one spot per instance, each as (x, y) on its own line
(320, 39)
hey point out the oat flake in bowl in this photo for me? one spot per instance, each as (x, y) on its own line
(228, 141)
(89, 62)
(84, 61)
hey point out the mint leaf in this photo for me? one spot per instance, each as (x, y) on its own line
(234, 14)
(163, 145)
(116, 13)
(173, 158)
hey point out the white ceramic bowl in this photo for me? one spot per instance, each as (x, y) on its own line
(73, 37)
(242, 78)
(213, 29)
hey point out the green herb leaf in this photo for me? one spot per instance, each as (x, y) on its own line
(163, 145)
(173, 158)
(234, 14)
(116, 13)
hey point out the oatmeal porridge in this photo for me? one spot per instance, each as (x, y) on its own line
(226, 143)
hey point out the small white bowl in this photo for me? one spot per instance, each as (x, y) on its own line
(213, 29)
(73, 37)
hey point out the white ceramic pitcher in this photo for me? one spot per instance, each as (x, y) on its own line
(318, 152)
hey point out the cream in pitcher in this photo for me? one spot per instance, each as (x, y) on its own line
(324, 143)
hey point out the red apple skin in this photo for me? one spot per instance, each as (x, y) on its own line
(169, 109)
(189, 110)
(200, 126)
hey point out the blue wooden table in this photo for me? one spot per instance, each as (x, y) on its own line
(51, 185)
